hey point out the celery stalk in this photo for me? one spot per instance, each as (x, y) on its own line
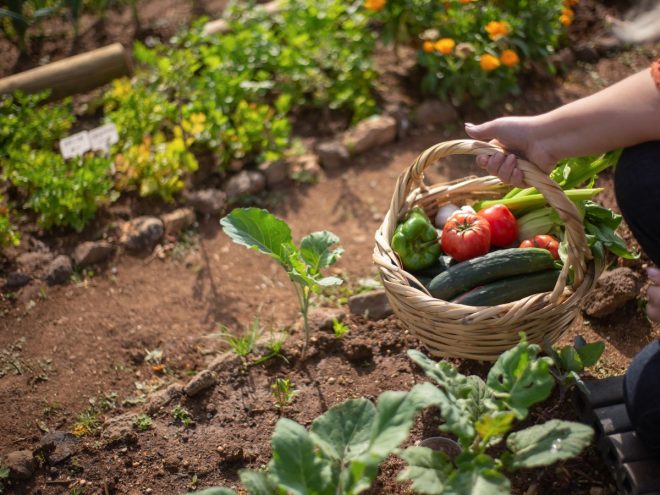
(520, 203)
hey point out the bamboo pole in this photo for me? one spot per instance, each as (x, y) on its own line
(72, 75)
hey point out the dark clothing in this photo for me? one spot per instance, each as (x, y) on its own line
(637, 186)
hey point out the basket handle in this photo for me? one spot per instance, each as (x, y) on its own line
(578, 249)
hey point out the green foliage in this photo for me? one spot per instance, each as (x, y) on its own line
(181, 415)
(242, 345)
(261, 231)
(339, 328)
(4, 475)
(283, 391)
(570, 361)
(466, 58)
(143, 422)
(19, 15)
(9, 235)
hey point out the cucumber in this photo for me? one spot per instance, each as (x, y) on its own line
(469, 274)
(509, 289)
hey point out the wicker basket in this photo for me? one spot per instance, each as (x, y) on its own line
(484, 332)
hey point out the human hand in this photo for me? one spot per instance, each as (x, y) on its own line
(653, 294)
(519, 136)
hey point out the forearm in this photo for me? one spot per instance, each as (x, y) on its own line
(621, 115)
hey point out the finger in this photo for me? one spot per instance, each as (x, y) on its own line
(653, 306)
(517, 178)
(494, 163)
(485, 131)
(654, 275)
(508, 166)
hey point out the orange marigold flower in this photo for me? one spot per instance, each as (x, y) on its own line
(566, 20)
(464, 2)
(489, 62)
(428, 46)
(509, 58)
(374, 5)
(567, 11)
(497, 29)
(445, 45)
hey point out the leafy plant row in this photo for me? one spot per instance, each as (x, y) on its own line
(342, 451)
(229, 96)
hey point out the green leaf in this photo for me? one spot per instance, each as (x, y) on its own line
(519, 378)
(344, 431)
(478, 478)
(258, 229)
(444, 374)
(590, 353)
(494, 425)
(570, 359)
(542, 445)
(315, 250)
(427, 469)
(258, 482)
(329, 281)
(214, 491)
(295, 464)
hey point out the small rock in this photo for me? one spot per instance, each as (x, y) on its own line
(275, 172)
(177, 220)
(33, 261)
(92, 252)
(207, 201)
(224, 362)
(333, 154)
(614, 289)
(161, 398)
(370, 133)
(120, 429)
(58, 446)
(21, 464)
(199, 383)
(305, 168)
(245, 182)
(434, 113)
(16, 280)
(322, 318)
(59, 270)
(141, 233)
(372, 305)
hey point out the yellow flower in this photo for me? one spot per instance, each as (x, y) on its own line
(445, 45)
(489, 62)
(121, 87)
(428, 46)
(374, 5)
(497, 29)
(509, 58)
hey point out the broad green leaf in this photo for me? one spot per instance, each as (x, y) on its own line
(590, 353)
(570, 359)
(479, 400)
(542, 445)
(295, 464)
(478, 478)
(519, 378)
(329, 281)
(258, 482)
(258, 229)
(494, 425)
(427, 469)
(214, 491)
(344, 431)
(444, 374)
(315, 250)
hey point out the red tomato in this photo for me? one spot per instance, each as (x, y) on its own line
(544, 242)
(465, 236)
(503, 225)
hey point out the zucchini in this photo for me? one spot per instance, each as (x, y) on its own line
(469, 274)
(509, 289)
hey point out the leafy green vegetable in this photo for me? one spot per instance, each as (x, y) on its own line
(569, 361)
(600, 224)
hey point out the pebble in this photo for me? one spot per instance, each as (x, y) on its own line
(92, 252)
(141, 233)
(199, 383)
(59, 270)
(21, 464)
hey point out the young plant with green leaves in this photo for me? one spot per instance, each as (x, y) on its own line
(261, 231)
(4, 476)
(143, 422)
(284, 391)
(242, 345)
(181, 415)
(481, 415)
(339, 328)
(570, 361)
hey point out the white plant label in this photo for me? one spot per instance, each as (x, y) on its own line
(75, 145)
(101, 138)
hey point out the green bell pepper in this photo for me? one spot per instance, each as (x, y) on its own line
(415, 240)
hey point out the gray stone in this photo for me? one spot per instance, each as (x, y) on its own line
(372, 305)
(120, 429)
(21, 464)
(59, 270)
(435, 113)
(402, 115)
(225, 362)
(245, 182)
(199, 383)
(90, 252)
(207, 201)
(333, 154)
(370, 133)
(34, 261)
(614, 289)
(177, 220)
(58, 446)
(276, 172)
(305, 168)
(16, 280)
(141, 233)
(322, 318)
(160, 399)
